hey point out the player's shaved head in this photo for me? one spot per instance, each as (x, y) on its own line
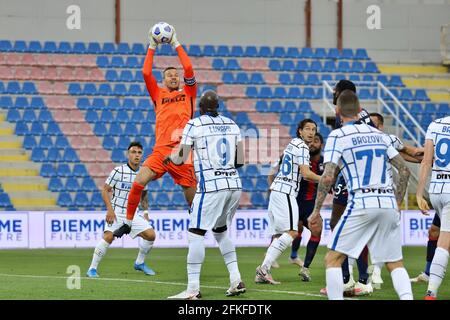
(348, 104)
(209, 103)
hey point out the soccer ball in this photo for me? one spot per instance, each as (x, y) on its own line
(162, 32)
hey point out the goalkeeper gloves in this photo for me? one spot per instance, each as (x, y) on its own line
(174, 41)
(152, 42)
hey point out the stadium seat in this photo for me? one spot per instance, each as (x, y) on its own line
(130, 129)
(102, 61)
(117, 62)
(47, 170)
(333, 53)
(257, 78)
(261, 106)
(5, 45)
(316, 66)
(55, 184)
(312, 79)
(329, 66)
(370, 67)
(45, 116)
(81, 200)
(279, 52)
(361, 54)
(251, 51)
(258, 200)
(289, 106)
(79, 47)
(357, 67)
(396, 81)
(275, 65)
(275, 105)
(118, 155)
(108, 48)
(242, 78)
(29, 142)
(294, 93)
(406, 94)
(20, 46)
(178, 200)
(251, 92)
(298, 79)
(109, 143)
(13, 115)
(343, 66)
(64, 200)
(111, 75)
(280, 93)
(70, 155)
(265, 92)
(346, 54)
(34, 46)
(13, 87)
(96, 200)
(63, 170)
(53, 129)
(53, 155)
(237, 51)
(292, 52)
(134, 90)
(288, 65)
(285, 79)
(5, 102)
(228, 78)
(307, 53)
(421, 95)
(45, 142)
(88, 185)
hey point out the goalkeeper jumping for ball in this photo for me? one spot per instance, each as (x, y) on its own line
(174, 107)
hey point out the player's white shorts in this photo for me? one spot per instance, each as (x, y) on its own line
(441, 203)
(214, 209)
(379, 229)
(283, 212)
(138, 225)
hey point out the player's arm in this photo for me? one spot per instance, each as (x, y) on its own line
(239, 159)
(424, 172)
(110, 215)
(307, 174)
(402, 182)
(189, 77)
(412, 154)
(149, 78)
(273, 171)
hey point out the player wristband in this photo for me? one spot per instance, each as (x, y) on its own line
(145, 211)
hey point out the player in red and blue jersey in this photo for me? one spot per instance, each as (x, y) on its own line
(306, 199)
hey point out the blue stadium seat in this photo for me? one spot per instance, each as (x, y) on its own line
(137, 117)
(228, 78)
(406, 94)
(61, 142)
(45, 142)
(367, 78)
(100, 129)
(115, 129)
(294, 93)
(265, 92)
(396, 81)
(280, 93)
(118, 155)
(29, 142)
(63, 170)
(20, 46)
(123, 48)
(426, 120)
(274, 65)
(81, 200)
(37, 129)
(89, 89)
(166, 50)
(126, 76)
(247, 184)
(261, 184)
(161, 200)
(5, 46)
(312, 79)
(49, 47)
(74, 89)
(70, 155)
(357, 67)
(96, 200)
(139, 77)
(111, 75)
(29, 88)
(122, 117)
(88, 185)
(21, 103)
(292, 52)
(108, 48)
(209, 51)
(316, 66)
(120, 90)
(64, 200)
(237, 51)
(45, 116)
(339, 76)
(319, 53)
(102, 61)
(257, 78)
(250, 51)
(138, 48)
(104, 89)
(93, 48)
(346, 54)
(242, 118)
(416, 109)
(242, 78)
(329, 66)
(13, 87)
(285, 79)
(47, 170)
(364, 94)
(307, 53)
(194, 50)
(383, 79)
(113, 104)
(79, 47)
(261, 106)
(251, 92)
(258, 200)
(288, 65)
(53, 129)
(286, 119)
(134, 90)
(370, 67)
(329, 78)
(275, 105)
(279, 52)
(84, 103)
(178, 200)
(305, 106)
(223, 51)
(265, 52)
(13, 115)
(298, 79)
(290, 106)
(361, 54)
(38, 155)
(5, 102)
(117, 62)
(34, 46)
(55, 184)
(343, 66)
(53, 155)
(421, 95)
(109, 143)
(232, 64)
(130, 130)
(91, 116)
(72, 184)
(308, 93)
(21, 128)
(443, 109)
(124, 142)
(333, 53)
(146, 129)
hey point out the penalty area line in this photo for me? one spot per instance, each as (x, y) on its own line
(300, 293)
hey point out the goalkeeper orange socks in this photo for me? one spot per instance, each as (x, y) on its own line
(133, 199)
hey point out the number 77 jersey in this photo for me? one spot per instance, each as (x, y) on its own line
(362, 153)
(439, 132)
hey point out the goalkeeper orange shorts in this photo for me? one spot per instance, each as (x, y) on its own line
(183, 175)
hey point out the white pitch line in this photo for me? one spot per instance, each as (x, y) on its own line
(300, 293)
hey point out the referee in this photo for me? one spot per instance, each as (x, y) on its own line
(119, 184)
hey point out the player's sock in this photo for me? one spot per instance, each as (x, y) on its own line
(345, 271)
(144, 249)
(402, 285)
(437, 270)
(296, 245)
(195, 258)
(335, 286)
(275, 249)
(431, 248)
(99, 253)
(134, 197)
(377, 267)
(362, 263)
(311, 249)
(228, 251)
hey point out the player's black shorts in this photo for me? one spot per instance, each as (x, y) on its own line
(340, 192)
(437, 220)
(305, 208)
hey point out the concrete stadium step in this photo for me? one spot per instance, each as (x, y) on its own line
(427, 83)
(35, 199)
(412, 69)
(6, 129)
(41, 208)
(24, 183)
(436, 96)
(9, 155)
(19, 168)
(10, 142)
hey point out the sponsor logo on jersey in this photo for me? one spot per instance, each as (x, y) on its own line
(377, 190)
(225, 173)
(178, 98)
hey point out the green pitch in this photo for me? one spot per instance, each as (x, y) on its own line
(42, 274)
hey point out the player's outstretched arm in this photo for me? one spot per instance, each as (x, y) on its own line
(189, 76)
(149, 78)
(424, 172)
(239, 159)
(402, 182)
